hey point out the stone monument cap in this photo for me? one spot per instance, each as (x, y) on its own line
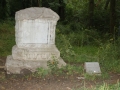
(36, 13)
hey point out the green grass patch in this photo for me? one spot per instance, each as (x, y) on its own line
(103, 86)
(7, 37)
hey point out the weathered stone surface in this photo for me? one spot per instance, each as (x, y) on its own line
(92, 68)
(36, 13)
(35, 53)
(35, 40)
(35, 27)
(15, 66)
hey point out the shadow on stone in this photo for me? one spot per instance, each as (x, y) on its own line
(25, 72)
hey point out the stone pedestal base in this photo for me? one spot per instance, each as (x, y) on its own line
(16, 66)
(31, 59)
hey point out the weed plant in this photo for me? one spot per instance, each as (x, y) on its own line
(53, 65)
(41, 72)
(54, 69)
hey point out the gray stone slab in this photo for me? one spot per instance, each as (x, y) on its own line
(92, 68)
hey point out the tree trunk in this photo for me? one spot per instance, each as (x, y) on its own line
(3, 9)
(91, 12)
(106, 4)
(61, 9)
(39, 3)
(45, 3)
(112, 16)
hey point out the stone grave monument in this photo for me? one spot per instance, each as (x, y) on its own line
(35, 40)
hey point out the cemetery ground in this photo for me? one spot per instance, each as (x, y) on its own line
(75, 49)
(70, 78)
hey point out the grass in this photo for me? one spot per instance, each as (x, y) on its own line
(86, 54)
(7, 37)
(104, 86)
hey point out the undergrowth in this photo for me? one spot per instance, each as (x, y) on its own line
(7, 37)
(88, 46)
(104, 86)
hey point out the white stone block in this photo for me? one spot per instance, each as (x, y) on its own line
(92, 68)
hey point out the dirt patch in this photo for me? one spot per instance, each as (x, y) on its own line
(2, 61)
(28, 82)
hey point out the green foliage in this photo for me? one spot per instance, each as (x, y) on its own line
(85, 37)
(53, 65)
(109, 56)
(88, 45)
(90, 77)
(7, 37)
(4, 9)
(77, 12)
(81, 37)
(41, 72)
(64, 70)
(8, 12)
(54, 5)
(104, 86)
(118, 10)
(54, 69)
(74, 69)
(75, 9)
(65, 47)
(15, 5)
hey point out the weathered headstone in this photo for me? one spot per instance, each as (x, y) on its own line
(92, 68)
(35, 40)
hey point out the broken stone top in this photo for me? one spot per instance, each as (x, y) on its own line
(36, 13)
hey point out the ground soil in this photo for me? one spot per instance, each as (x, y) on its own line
(28, 82)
